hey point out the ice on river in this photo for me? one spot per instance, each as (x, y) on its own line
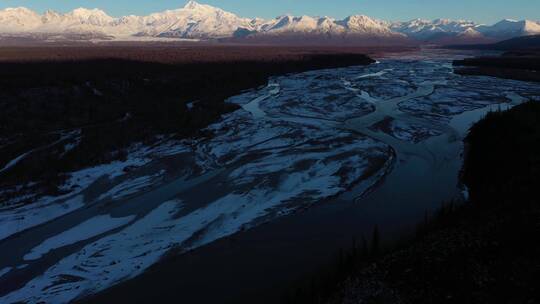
(88, 229)
(15, 218)
(46, 209)
(108, 260)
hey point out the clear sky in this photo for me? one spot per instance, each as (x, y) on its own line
(485, 11)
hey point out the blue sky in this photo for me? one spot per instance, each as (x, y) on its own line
(485, 11)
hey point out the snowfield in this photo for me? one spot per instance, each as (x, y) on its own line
(14, 218)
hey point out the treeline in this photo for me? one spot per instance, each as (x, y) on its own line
(510, 61)
(518, 65)
(486, 250)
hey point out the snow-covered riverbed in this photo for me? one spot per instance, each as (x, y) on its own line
(296, 143)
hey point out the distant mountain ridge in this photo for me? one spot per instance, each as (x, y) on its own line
(437, 30)
(200, 21)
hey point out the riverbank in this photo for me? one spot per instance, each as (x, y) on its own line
(483, 251)
(517, 65)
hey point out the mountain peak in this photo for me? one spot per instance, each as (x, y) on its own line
(193, 5)
(51, 11)
(358, 17)
(81, 11)
(18, 19)
(21, 9)
(50, 15)
(94, 16)
(18, 11)
(471, 33)
(363, 22)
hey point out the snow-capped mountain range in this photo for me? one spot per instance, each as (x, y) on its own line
(429, 30)
(200, 21)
